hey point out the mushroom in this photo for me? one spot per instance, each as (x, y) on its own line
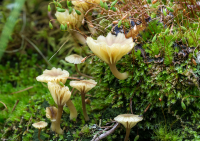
(72, 20)
(39, 125)
(86, 4)
(83, 86)
(76, 59)
(51, 113)
(129, 121)
(60, 95)
(53, 75)
(110, 49)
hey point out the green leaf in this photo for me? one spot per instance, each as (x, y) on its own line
(50, 25)
(61, 84)
(154, 39)
(60, 9)
(101, 4)
(62, 27)
(78, 12)
(170, 9)
(119, 23)
(183, 105)
(70, 10)
(149, 1)
(183, 28)
(114, 9)
(59, 5)
(113, 3)
(49, 8)
(69, 3)
(164, 12)
(166, 31)
(65, 26)
(105, 6)
(136, 138)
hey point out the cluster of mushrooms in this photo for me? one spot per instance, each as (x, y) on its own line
(110, 49)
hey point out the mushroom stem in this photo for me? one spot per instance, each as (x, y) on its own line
(56, 125)
(82, 73)
(39, 130)
(72, 108)
(127, 134)
(84, 108)
(116, 73)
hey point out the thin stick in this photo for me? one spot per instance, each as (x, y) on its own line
(117, 125)
(15, 105)
(22, 90)
(4, 105)
(82, 73)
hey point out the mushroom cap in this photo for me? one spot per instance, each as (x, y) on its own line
(72, 20)
(74, 58)
(128, 120)
(83, 85)
(53, 75)
(85, 4)
(111, 48)
(60, 94)
(40, 125)
(51, 113)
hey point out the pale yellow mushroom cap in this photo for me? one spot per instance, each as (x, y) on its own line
(51, 113)
(111, 48)
(83, 85)
(53, 75)
(40, 125)
(85, 4)
(60, 94)
(72, 20)
(74, 58)
(128, 120)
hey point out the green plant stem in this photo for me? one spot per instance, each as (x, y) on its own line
(128, 130)
(72, 108)
(84, 107)
(82, 73)
(116, 73)
(39, 130)
(55, 126)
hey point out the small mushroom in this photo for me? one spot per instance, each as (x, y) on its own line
(51, 113)
(39, 125)
(76, 59)
(72, 20)
(53, 75)
(110, 49)
(60, 95)
(129, 121)
(83, 86)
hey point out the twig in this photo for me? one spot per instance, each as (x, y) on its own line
(22, 90)
(4, 105)
(15, 105)
(117, 125)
